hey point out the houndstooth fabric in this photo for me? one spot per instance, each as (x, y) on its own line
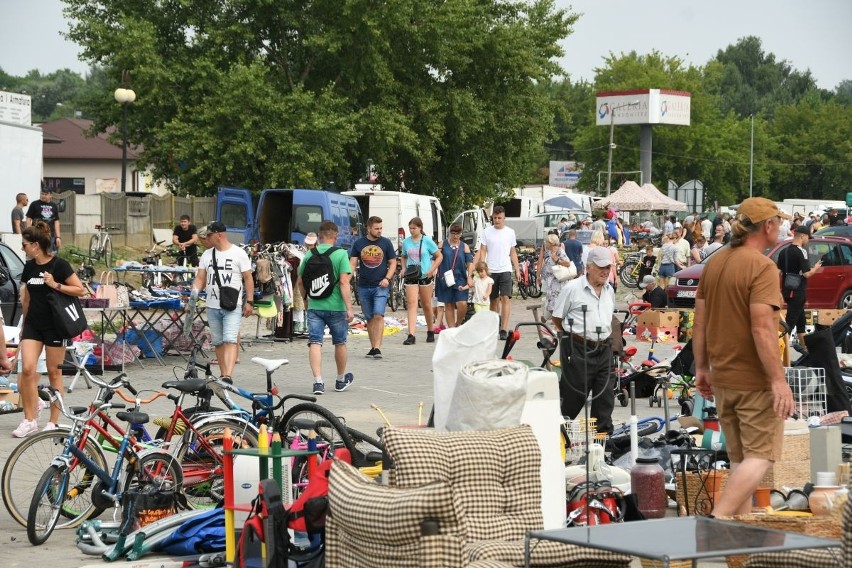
(494, 475)
(379, 526)
(546, 553)
(812, 558)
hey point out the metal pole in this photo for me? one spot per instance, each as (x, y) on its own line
(611, 145)
(124, 150)
(751, 158)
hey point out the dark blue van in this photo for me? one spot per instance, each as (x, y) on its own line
(286, 215)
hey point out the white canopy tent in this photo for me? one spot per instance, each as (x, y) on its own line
(631, 197)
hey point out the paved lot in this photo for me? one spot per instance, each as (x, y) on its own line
(398, 383)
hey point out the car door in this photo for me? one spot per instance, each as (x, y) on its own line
(826, 285)
(10, 299)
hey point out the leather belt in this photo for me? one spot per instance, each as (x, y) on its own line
(588, 342)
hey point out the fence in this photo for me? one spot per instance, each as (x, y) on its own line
(133, 217)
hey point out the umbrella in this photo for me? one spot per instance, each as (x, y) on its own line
(562, 202)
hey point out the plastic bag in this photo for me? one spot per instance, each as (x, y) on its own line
(457, 346)
(489, 394)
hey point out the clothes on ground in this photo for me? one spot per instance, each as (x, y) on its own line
(733, 279)
(373, 258)
(230, 263)
(44, 211)
(340, 261)
(39, 313)
(499, 244)
(417, 255)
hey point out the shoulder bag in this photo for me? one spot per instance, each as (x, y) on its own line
(449, 276)
(228, 297)
(412, 273)
(564, 273)
(792, 281)
(107, 289)
(68, 317)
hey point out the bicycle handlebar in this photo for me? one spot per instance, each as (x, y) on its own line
(134, 400)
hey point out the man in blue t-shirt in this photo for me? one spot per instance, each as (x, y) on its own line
(574, 250)
(375, 258)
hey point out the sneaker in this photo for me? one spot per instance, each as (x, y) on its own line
(226, 379)
(319, 388)
(430, 337)
(25, 428)
(377, 353)
(48, 427)
(371, 353)
(504, 335)
(342, 384)
(439, 329)
(410, 341)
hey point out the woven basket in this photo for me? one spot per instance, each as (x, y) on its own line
(793, 470)
(648, 563)
(696, 494)
(825, 527)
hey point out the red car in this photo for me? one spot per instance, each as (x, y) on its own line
(831, 287)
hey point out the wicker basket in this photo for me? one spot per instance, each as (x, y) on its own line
(648, 563)
(793, 470)
(697, 492)
(825, 527)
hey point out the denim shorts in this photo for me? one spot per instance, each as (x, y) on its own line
(667, 270)
(224, 325)
(373, 300)
(336, 322)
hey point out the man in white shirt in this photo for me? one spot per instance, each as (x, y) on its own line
(706, 228)
(669, 225)
(497, 249)
(682, 250)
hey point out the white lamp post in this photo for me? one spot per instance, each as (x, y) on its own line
(611, 145)
(751, 158)
(124, 97)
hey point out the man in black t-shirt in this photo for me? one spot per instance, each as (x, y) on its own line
(185, 236)
(653, 295)
(794, 260)
(44, 209)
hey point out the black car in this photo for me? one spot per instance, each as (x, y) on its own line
(11, 269)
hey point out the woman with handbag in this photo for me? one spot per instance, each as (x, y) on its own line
(421, 258)
(44, 275)
(793, 263)
(554, 255)
(453, 283)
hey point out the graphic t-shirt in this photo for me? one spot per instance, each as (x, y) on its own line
(373, 257)
(231, 264)
(39, 315)
(44, 211)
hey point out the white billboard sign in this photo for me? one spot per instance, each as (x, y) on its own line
(564, 174)
(645, 106)
(15, 108)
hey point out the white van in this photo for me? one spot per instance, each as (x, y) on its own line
(397, 208)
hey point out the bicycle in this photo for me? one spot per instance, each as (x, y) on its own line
(396, 295)
(151, 467)
(100, 245)
(528, 285)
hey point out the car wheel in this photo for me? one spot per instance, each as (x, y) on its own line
(845, 300)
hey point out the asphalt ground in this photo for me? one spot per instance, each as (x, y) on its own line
(400, 384)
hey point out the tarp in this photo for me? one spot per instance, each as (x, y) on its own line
(631, 197)
(562, 202)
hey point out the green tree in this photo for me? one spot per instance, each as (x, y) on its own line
(443, 97)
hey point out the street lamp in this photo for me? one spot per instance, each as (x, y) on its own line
(611, 145)
(124, 97)
(751, 157)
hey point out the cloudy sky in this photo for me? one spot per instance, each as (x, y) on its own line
(810, 34)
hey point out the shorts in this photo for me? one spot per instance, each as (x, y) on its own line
(48, 337)
(336, 322)
(667, 270)
(421, 282)
(751, 427)
(373, 300)
(502, 285)
(224, 325)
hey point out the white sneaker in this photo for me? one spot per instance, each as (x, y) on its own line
(49, 426)
(25, 428)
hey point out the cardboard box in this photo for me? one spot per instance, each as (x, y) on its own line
(663, 334)
(828, 317)
(11, 396)
(659, 318)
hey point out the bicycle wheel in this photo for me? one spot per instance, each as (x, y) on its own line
(533, 289)
(629, 273)
(522, 288)
(94, 249)
(30, 459)
(46, 504)
(364, 445)
(156, 469)
(392, 304)
(200, 458)
(108, 252)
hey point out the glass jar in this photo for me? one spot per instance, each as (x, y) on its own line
(647, 482)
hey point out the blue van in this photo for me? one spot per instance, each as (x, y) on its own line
(286, 215)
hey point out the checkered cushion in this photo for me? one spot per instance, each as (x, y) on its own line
(812, 558)
(379, 526)
(546, 553)
(494, 475)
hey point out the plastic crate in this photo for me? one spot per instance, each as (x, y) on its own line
(809, 390)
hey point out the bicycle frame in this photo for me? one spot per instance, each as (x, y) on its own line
(110, 480)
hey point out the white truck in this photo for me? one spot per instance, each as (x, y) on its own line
(20, 153)
(397, 208)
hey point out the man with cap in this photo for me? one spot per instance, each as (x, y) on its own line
(653, 295)
(310, 240)
(584, 312)
(44, 209)
(735, 342)
(221, 265)
(794, 260)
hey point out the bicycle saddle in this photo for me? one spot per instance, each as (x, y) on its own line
(187, 386)
(269, 364)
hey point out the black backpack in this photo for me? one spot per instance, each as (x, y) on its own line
(318, 277)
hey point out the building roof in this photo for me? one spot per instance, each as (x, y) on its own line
(76, 145)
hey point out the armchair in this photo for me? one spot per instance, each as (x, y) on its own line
(454, 499)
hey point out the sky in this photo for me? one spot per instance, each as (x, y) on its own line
(811, 34)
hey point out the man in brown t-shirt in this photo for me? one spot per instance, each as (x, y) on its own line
(737, 360)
